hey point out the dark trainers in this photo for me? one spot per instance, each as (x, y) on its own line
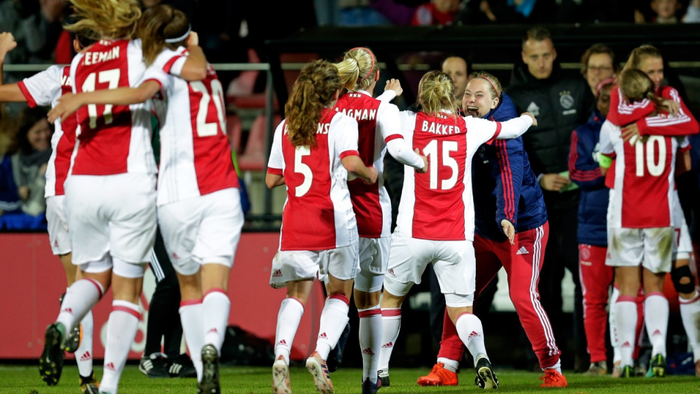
(182, 367)
(485, 377)
(88, 385)
(51, 360)
(154, 366)
(384, 377)
(335, 357)
(210, 371)
(657, 367)
(371, 388)
(73, 341)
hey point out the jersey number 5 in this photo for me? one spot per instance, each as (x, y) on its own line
(431, 152)
(111, 77)
(654, 168)
(303, 169)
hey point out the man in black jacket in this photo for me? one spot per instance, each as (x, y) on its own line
(560, 104)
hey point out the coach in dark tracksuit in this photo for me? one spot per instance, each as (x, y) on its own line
(560, 104)
(505, 188)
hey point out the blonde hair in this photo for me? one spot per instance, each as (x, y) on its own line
(437, 93)
(637, 86)
(495, 88)
(156, 25)
(638, 55)
(108, 19)
(357, 68)
(315, 89)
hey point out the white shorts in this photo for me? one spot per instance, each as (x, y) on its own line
(652, 247)
(453, 262)
(57, 225)
(682, 245)
(202, 230)
(112, 214)
(293, 265)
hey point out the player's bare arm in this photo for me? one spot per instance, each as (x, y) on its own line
(9, 92)
(355, 166)
(273, 180)
(195, 68)
(69, 103)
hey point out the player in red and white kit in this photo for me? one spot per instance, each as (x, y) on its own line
(313, 150)
(641, 119)
(44, 89)
(436, 215)
(198, 199)
(110, 195)
(644, 176)
(379, 130)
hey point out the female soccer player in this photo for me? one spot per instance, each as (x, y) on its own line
(110, 195)
(198, 202)
(436, 215)
(511, 232)
(313, 151)
(379, 131)
(644, 164)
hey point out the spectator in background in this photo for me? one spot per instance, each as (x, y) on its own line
(665, 11)
(9, 197)
(507, 11)
(692, 15)
(458, 69)
(436, 13)
(597, 64)
(29, 164)
(539, 87)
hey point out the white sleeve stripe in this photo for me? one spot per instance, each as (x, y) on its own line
(625, 108)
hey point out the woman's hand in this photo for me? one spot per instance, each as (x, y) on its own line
(7, 44)
(395, 85)
(67, 104)
(670, 106)
(534, 120)
(508, 230)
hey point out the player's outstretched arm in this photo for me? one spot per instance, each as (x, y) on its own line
(7, 44)
(9, 92)
(69, 103)
(195, 67)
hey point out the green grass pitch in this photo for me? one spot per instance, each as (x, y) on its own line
(246, 380)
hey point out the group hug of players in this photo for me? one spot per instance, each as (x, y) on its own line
(328, 152)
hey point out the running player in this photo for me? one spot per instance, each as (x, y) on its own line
(379, 131)
(436, 215)
(198, 201)
(511, 232)
(313, 151)
(110, 195)
(44, 89)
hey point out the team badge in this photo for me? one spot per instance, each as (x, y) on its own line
(565, 99)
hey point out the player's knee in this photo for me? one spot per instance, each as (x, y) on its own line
(683, 280)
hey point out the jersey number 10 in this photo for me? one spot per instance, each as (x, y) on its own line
(654, 168)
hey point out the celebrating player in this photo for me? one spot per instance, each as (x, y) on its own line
(511, 232)
(436, 216)
(110, 195)
(379, 131)
(312, 152)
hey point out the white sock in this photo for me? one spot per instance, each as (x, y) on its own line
(370, 341)
(690, 314)
(215, 310)
(391, 325)
(121, 331)
(83, 356)
(656, 321)
(556, 366)
(192, 327)
(613, 330)
(471, 333)
(625, 325)
(79, 299)
(334, 317)
(450, 365)
(288, 319)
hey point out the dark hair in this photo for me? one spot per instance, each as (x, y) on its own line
(596, 49)
(312, 91)
(537, 33)
(27, 119)
(157, 24)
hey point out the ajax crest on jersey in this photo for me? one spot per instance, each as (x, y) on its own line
(566, 100)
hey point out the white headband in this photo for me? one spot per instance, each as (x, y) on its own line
(182, 37)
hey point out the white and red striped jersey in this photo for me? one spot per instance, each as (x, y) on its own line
(318, 213)
(438, 205)
(195, 155)
(43, 89)
(643, 179)
(378, 124)
(112, 139)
